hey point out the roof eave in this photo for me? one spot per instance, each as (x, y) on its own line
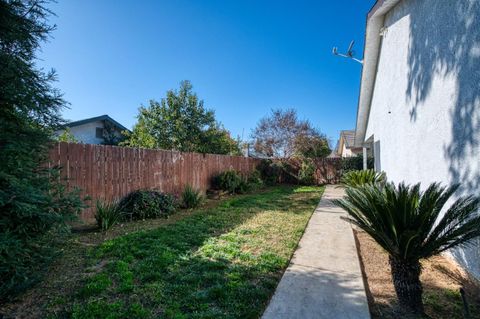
(97, 118)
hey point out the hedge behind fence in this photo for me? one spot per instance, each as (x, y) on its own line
(309, 171)
(355, 163)
(301, 171)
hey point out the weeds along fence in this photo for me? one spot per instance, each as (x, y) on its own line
(110, 172)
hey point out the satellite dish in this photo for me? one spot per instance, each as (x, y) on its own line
(349, 54)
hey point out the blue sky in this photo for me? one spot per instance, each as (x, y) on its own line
(243, 57)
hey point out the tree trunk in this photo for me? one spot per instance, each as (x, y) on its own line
(406, 279)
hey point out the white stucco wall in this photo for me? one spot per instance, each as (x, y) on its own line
(425, 111)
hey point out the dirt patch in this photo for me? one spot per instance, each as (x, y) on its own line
(441, 279)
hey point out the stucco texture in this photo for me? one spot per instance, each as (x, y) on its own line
(425, 110)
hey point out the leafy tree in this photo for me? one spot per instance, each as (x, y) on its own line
(32, 201)
(312, 145)
(409, 225)
(180, 122)
(66, 136)
(142, 133)
(283, 135)
(111, 136)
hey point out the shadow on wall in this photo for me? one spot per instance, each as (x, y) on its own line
(445, 41)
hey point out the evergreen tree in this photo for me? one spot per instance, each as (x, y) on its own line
(32, 202)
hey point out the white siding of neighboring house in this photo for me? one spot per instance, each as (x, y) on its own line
(425, 110)
(346, 152)
(85, 133)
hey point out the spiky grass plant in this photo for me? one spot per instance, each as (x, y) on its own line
(107, 214)
(359, 178)
(411, 225)
(191, 198)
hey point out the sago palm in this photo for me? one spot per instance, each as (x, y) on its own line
(411, 225)
(359, 178)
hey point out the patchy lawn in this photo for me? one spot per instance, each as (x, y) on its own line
(441, 281)
(219, 262)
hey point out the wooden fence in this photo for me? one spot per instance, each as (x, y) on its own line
(110, 172)
(328, 170)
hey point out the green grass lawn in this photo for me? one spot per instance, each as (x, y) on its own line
(221, 262)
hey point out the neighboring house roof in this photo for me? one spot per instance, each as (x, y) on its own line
(371, 51)
(95, 119)
(348, 138)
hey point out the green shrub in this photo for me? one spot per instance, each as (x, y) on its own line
(306, 173)
(360, 178)
(244, 186)
(143, 204)
(234, 183)
(191, 198)
(254, 180)
(107, 214)
(230, 181)
(270, 171)
(215, 182)
(355, 163)
(289, 171)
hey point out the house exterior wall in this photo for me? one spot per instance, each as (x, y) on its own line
(345, 151)
(425, 109)
(85, 133)
(351, 151)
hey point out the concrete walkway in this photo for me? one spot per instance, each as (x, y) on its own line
(323, 279)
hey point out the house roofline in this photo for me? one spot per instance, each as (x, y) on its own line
(371, 52)
(343, 135)
(104, 117)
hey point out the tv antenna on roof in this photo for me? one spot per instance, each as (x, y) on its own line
(350, 53)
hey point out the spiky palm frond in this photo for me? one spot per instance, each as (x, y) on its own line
(360, 178)
(406, 222)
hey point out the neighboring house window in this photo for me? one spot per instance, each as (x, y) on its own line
(99, 132)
